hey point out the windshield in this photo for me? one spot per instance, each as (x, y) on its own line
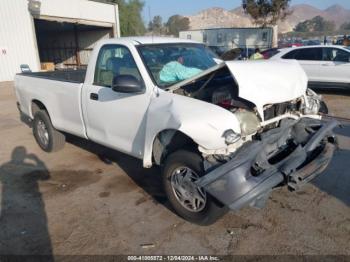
(169, 64)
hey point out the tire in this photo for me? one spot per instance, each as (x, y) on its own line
(47, 137)
(207, 213)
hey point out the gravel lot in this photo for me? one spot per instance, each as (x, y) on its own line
(89, 200)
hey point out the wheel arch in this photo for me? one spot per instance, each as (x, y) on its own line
(37, 105)
(168, 141)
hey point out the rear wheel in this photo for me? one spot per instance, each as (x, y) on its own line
(47, 137)
(180, 171)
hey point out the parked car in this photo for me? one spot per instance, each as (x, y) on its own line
(313, 42)
(219, 50)
(222, 137)
(246, 53)
(326, 66)
(290, 43)
(269, 52)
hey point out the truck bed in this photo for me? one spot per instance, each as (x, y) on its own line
(67, 75)
(59, 91)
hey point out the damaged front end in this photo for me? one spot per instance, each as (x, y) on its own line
(291, 154)
(282, 140)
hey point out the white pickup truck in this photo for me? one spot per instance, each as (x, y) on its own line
(224, 133)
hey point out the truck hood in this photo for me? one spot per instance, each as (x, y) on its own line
(262, 82)
(268, 82)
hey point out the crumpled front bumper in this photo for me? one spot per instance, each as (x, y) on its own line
(259, 166)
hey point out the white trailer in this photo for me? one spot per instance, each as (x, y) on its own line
(232, 37)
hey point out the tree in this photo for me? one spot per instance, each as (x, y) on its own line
(267, 12)
(316, 24)
(345, 26)
(156, 25)
(132, 22)
(303, 27)
(130, 17)
(177, 23)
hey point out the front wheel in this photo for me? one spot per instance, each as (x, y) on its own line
(180, 171)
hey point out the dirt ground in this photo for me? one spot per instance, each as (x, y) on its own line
(89, 200)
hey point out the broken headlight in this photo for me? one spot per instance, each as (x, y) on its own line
(231, 137)
(313, 103)
(249, 122)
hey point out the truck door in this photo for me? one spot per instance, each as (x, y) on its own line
(115, 119)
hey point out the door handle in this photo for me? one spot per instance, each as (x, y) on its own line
(94, 96)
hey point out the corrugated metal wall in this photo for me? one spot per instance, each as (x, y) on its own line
(17, 40)
(18, 44)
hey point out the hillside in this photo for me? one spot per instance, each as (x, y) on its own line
(219, 17)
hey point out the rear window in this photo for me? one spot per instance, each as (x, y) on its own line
(290, 55)
(308, 54)
(270, 53)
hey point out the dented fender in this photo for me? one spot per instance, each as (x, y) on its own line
(203, 122)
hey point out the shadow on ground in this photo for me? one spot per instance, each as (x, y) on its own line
(335, 180)
(23, 220)
(147, 179)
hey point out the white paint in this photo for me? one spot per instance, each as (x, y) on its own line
(62, 100)
(268, 82)
(79, 9)
(321, 70)
(130, 122)
(17, 35)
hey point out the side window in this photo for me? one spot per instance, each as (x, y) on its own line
(309, 54)
(113, 61)
(336, 55)
(290, 55)
(205, 38)
(219, 38)
(264, 36)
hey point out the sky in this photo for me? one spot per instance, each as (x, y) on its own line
(166, 8)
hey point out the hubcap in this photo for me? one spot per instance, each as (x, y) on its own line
(186, 192)
(43, 133)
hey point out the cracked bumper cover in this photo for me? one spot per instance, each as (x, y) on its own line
(234, 183)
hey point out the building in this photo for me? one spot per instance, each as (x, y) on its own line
(54, 33)
(233, 37)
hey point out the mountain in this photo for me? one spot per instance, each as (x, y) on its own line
(219, 17)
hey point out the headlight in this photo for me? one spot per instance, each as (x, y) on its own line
(249, 122)
(231, 137)
(312, 105)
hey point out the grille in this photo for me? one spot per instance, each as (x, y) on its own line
(275, 110)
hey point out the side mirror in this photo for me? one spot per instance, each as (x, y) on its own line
(25, 68)
(126, 84)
